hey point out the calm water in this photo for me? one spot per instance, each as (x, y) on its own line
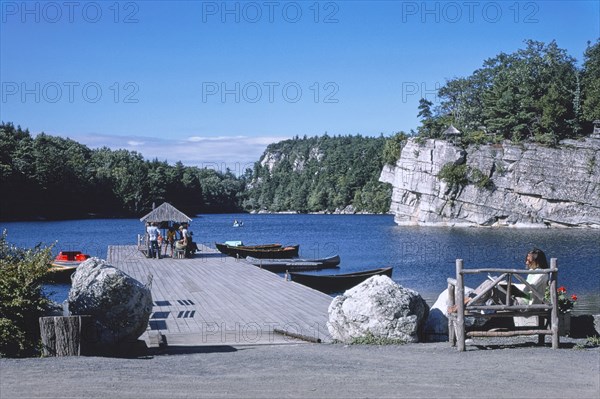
(422, 257)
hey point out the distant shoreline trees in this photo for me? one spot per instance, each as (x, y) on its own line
(56, 178)
(51, 177)
(320, 174)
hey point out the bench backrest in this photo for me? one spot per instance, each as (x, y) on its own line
(504, 282)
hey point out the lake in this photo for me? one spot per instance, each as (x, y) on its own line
(423, 257)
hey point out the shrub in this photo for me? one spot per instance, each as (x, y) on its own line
(22, 301)
(480, 180)
(393, 148)
(477, 137)
(454, 175)
(458, 176)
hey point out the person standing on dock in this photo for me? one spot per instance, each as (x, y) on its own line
(153, 235)
(170, 240)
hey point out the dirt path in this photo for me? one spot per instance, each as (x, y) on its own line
(315, 371)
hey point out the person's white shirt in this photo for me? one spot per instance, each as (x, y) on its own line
(153, 233)
(184, 234)
(538, 282)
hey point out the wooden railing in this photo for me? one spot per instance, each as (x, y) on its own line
(546, 310)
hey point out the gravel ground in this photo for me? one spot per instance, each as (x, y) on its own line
(504, 368)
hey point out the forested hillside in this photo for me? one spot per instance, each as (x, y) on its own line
(537, 93)
(53, 177)
(320, 174)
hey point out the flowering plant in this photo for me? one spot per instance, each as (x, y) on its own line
(565, 302)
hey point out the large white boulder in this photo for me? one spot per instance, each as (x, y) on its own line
(378, 307)
(119, 304)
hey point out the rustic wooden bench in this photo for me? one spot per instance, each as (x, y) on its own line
(546, 311)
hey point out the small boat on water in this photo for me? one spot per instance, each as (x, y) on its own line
(230, 247)
(67, 261)
(282, 265)
(264, 251)
(329, 283)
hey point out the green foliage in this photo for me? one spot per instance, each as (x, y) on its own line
(478, 178)
(458, 176)
(454, 175)
(55, 177)
(593, 341)
(370, 339)
(22, 300)
(320, 174)
(393, 147)
(476, 137)
(590, 83)
(535, 93)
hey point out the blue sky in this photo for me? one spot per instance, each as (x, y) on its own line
(211, 83)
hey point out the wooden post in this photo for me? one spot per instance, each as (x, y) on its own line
(508, 289)
(64, 335)
(460, 302)
(554, 299)
(451, 318)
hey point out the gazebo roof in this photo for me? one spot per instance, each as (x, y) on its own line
(166, 213)
(451, 131)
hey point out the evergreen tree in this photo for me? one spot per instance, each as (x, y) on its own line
(590, 85)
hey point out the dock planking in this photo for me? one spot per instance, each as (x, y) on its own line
(214, 299)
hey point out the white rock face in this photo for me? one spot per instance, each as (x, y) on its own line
(378, 306)
(532, 185)
(119, 304)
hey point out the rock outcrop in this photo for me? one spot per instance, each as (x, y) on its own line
(119, 304)
(379, 307)
(518, 185)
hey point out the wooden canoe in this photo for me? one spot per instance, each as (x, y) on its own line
(329, 283)
(283, 265)
(267, 251)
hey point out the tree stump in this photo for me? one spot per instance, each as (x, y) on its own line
(66, 335)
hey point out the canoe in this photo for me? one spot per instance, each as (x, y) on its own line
(282, 265)
(230, 247)
(265, 251)
(329, 283)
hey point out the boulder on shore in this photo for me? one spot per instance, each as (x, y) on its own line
(378, 307)
(119, 304)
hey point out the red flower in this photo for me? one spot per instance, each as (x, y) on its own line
(574, 297)
(562, 289)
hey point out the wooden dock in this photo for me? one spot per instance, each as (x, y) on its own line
(214, 299)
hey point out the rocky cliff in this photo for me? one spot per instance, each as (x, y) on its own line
(520, 185)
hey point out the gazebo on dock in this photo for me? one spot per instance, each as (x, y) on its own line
(166, 213)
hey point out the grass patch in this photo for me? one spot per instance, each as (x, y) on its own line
(370, 339)
(591, 342)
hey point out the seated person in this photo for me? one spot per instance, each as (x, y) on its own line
(535, 259)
